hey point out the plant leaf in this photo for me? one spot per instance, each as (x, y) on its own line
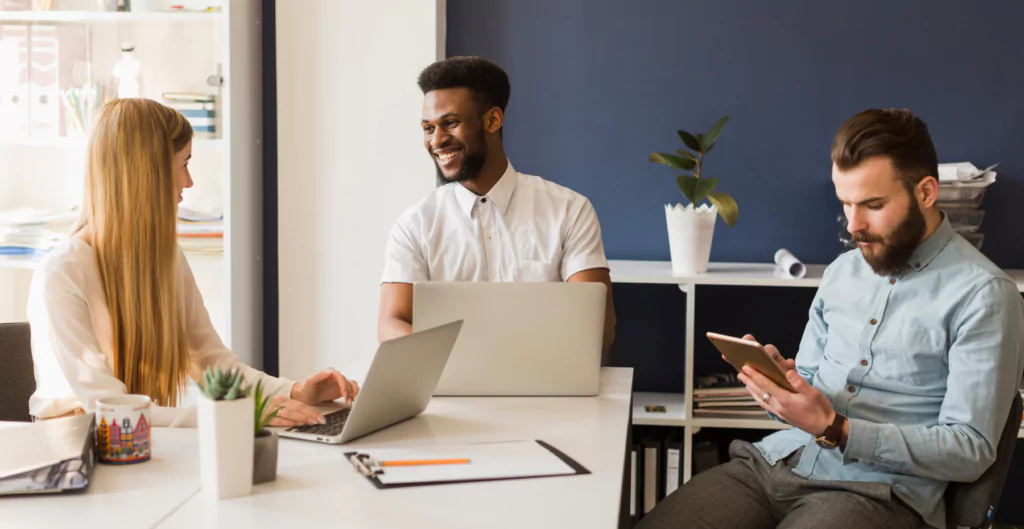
(688, 186)
(707, 141)
(689, 140)
(704, 187)
(687, 154)
(672, 161)
(727, 207)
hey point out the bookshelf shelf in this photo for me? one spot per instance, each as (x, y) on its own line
(679, 409)
(18, 262)
(82, 142)
(30, 17)
(749, 424)
(675, 409)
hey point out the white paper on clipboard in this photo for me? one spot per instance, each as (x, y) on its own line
(488, 461)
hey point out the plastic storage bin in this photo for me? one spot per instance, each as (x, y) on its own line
(965, 220)
(974, 238)
(961, 196)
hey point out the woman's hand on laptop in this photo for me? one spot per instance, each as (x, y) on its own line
(294, 413)
(326, 386)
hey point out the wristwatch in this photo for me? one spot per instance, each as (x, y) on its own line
(833, 434)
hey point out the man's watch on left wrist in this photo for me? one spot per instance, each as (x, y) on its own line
(832, 436)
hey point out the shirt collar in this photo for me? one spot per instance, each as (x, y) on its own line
(501, 193)
(931, 246)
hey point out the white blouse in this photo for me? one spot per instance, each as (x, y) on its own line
(72, 338)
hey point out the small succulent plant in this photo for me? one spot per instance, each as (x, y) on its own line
(224, 385)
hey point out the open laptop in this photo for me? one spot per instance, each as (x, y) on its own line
(398, 386)
(519, 339)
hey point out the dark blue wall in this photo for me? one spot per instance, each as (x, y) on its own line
(599, 84)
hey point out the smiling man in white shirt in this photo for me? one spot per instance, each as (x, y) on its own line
(487, 222)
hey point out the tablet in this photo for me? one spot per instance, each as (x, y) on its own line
(740, 352)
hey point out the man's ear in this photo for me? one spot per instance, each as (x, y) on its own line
(927, 192)
(494, 119)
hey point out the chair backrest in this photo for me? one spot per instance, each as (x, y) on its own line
(974, 504)
(17, 378)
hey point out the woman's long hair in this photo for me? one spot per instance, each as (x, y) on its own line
(131, 207)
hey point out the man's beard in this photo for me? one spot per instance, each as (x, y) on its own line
(472, 163)
(901, 245)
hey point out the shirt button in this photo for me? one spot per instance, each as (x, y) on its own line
(483, 200)
(851, 389)
(892, 281)
(873, 321)
(863, 362)
(488, 237)
(917, 265)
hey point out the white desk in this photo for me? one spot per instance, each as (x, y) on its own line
(136, 495)
(316, 485)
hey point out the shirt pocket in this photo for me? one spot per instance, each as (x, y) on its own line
(537, 272)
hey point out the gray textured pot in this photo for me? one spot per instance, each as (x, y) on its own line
(264, 458)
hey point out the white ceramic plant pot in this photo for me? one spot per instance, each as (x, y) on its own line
(690, 231)
(226, 447)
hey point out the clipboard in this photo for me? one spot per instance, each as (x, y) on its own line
(501, 461)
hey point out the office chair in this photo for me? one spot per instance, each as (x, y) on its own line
(974, 504)
(17, 379)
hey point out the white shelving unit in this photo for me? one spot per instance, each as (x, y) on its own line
(675, 409)
(178, 52)
(77, 17)
(679, 408)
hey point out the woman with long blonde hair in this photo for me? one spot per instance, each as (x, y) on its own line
(116, 309)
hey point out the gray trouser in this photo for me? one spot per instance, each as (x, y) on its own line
(748, 493)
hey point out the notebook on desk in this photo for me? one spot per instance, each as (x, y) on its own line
(442, 465)
(55, 455)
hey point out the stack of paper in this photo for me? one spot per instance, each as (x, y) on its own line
(34, 232)
(725, 402)
(200, 232)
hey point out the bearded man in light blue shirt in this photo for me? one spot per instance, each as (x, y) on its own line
(906, 371)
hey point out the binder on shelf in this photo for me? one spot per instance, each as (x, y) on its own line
(705, 456)
(673, 461)
(486, 462)
(654, 481)
(634, 485)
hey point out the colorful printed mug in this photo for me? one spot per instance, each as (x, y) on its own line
(123, 429)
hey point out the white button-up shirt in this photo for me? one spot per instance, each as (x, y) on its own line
(524, 229)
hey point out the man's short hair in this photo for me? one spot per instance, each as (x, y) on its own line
(894, 133)
(485, 80)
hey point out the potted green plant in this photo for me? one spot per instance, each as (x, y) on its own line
(692, 227)
(264, 463)
(225, 414)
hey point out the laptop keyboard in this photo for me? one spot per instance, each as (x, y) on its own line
(335, 423)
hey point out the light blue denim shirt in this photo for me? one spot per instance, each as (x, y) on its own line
(924, 364)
